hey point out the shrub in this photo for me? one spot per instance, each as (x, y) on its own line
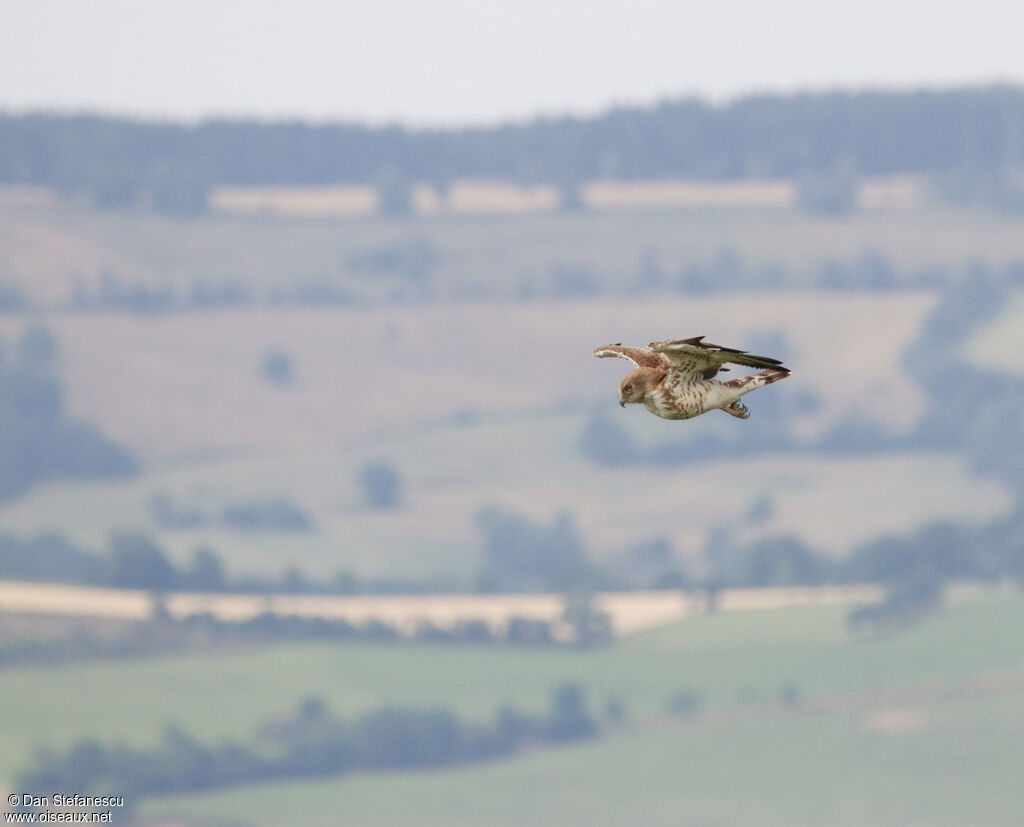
(381, 484)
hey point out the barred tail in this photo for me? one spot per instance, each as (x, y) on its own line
(773, 375)
(748, 384)
(758, 380)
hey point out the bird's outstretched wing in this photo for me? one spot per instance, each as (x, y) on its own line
(639, 356)
(697, 356)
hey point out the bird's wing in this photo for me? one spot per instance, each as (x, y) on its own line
(697, 356)
(639, 356)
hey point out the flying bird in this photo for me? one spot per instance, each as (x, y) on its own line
(675, 379)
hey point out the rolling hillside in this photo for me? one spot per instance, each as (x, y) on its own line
(882, 731)
(474, 379)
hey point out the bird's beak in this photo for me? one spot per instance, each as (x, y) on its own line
(622, 404)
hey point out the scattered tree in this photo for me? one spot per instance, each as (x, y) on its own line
(136, 562)
(206, 573)
(521, 554)
(278, 368)
(589, 624)
(273, 514)
(381, 484)
(685, 702)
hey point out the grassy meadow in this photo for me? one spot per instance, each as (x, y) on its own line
(956, 767)
(878, 731)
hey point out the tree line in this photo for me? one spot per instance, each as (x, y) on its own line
(407, 273)
(162, 634)
(968, 137)
(309, 742)
(523, 555)
(134, 560)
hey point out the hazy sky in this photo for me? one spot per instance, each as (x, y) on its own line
(454, 61)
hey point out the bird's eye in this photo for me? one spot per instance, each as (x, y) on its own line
(628, 389)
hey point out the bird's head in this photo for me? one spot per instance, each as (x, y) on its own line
(634, 386)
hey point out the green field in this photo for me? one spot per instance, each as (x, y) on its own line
(959, 768)
(881, 728)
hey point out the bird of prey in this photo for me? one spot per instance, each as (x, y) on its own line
(675, 379)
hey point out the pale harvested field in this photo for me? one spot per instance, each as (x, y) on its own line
(171, 386)
(26, 195)
(629, 611)
(296, 202)
(496, 197)
(47, 251)
(633, 195)
(470, 421)
(1000, 345)
(76, 601)
(894, 192)
(499, 198)
(481, 401)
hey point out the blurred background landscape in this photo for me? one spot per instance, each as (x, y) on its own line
(316, 507)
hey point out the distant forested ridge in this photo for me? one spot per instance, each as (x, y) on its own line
(970, 132)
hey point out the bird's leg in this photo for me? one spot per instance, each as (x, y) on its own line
(737, 409)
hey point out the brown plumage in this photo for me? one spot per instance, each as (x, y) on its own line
(675, 378)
